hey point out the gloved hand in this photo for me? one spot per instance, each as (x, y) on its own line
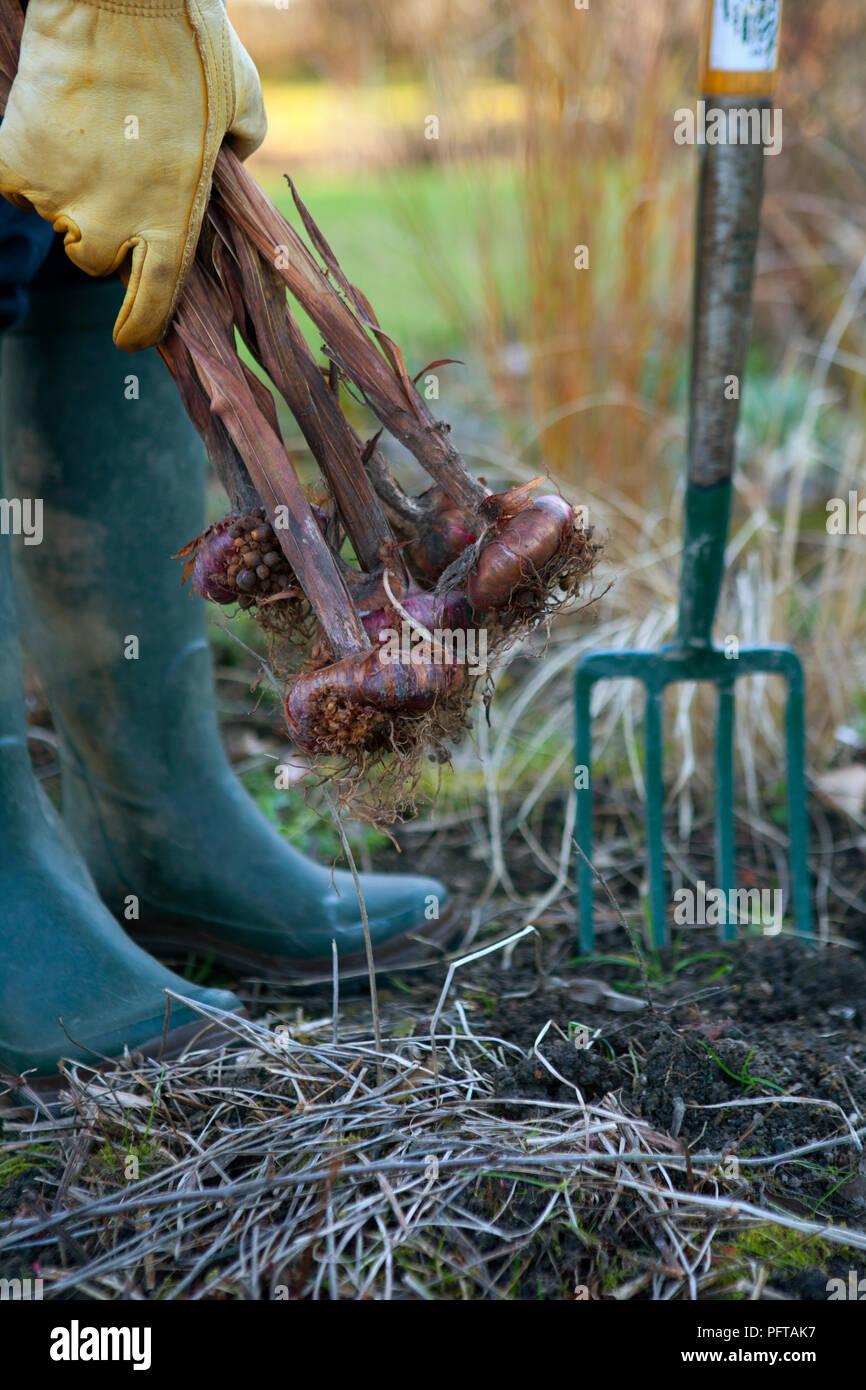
(112, 129)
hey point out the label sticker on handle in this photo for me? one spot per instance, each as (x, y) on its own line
(741, 47)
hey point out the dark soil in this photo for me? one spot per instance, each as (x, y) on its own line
(768, 1019)
(782, 1018)
(744, 1052)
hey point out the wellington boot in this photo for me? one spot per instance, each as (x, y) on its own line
(177, 848)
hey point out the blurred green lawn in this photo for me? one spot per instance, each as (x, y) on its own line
(411, 239)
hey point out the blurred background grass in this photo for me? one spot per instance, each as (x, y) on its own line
(555, 129)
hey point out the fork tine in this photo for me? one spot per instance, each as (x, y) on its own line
(655, 815)
(725, 872)
(583, 748)
(798, 819)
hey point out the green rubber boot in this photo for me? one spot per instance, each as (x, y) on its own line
(148, 792)
(62, 954)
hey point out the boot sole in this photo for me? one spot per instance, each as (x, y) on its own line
(174, 939)
(157, 1049)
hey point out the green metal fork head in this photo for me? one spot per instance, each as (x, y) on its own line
(657, 670)
(730, 184)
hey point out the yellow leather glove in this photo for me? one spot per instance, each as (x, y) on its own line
(112, 130)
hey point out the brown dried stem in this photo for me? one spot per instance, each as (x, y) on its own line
(275, 340)
(233, 401)
(376, 368)
(228, 464)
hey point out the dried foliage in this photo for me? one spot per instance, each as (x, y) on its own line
(325, 1168)
(350, 703)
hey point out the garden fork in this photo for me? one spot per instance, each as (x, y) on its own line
(728, 214)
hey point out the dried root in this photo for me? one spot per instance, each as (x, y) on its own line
(358, 703)
(384, 784)
(374, 716)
